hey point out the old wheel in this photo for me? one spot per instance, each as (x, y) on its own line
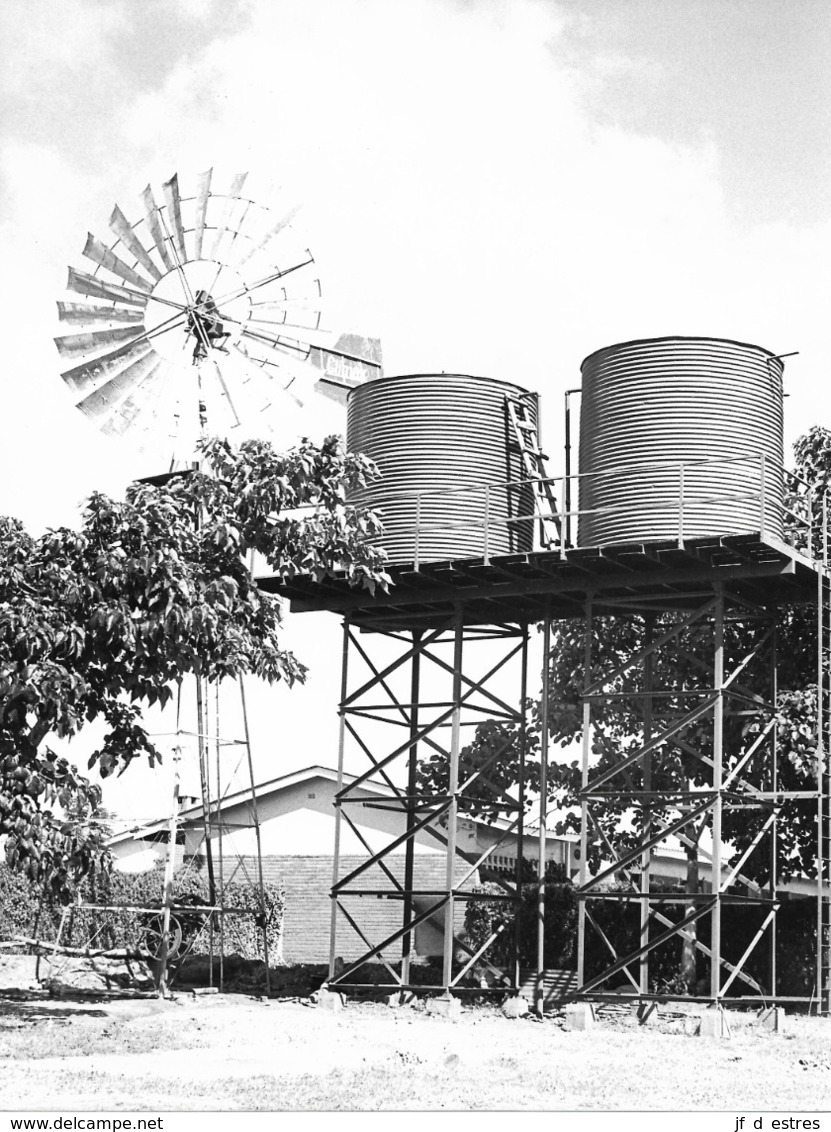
(153, 936)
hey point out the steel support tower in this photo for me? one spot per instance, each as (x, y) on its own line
(693, 749)
(412, 699)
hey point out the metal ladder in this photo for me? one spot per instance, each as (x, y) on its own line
(533, 463)
(824, 778)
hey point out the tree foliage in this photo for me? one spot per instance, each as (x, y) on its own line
(97, 623)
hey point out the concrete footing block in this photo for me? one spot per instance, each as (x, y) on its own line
(580, 1016)
(714, 1024)
(330, 1000)
(446, 1007)
(772, 1018)
(515, 1007)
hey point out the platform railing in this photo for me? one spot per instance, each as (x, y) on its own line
(779, 501)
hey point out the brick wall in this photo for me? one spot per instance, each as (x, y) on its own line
(307, 882)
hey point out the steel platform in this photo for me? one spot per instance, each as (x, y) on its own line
(519, 587)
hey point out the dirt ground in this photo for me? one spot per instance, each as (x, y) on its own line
(238, 1052)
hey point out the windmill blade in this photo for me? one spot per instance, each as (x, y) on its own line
(91, 375)
(106, 398)
(162, 415)
(275, 230)
(227, 211)
(120, 226)
(96, 288)
(99, 253)
(140, 409)
(151, 213)
(76, 345)
(174, 208)
(203, 191)
(84, 313)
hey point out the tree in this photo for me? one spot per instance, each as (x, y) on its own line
(96, 623)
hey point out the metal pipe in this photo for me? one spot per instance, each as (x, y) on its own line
(169, 869)
(205, 785)
(567, 485)
(257, 836)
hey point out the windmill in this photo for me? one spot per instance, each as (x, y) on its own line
(203, 316)
(205, 313)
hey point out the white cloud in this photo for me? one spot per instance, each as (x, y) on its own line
(461, 201)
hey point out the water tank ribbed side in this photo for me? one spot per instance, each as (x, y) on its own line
(668, 401)
(442, 437)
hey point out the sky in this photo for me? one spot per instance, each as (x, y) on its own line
(490, 187)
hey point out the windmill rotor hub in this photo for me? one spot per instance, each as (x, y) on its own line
(173, 316)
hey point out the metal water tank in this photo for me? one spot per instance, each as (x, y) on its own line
(449, 465)
(680, 436)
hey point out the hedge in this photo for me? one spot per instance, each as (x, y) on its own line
(26, 911)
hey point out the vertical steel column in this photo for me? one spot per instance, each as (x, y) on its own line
(333, 927)
(453, 793)
(219, 841)
(718, 756)
(520, 854)
(825, 770)
(412, 779)
(205, 784)
(820, 777)
(539, 987)
(774, 787)
(646, 857)
(584, 806)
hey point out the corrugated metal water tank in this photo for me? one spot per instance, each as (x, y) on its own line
(442, 437)
(648, 406)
